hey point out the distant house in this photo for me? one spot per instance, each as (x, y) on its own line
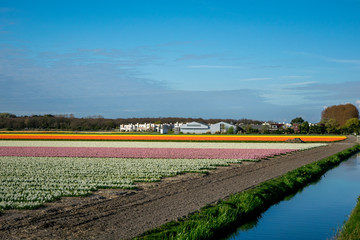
(256, 127)
(276, 126)
(296, 127)
(194, 127)
(164, 128)
(222, 127)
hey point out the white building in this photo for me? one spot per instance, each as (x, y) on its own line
(146, 127)
(195, 127)
(222, 127)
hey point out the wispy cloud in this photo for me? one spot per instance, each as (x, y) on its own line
(295, 76)
(81, 74)
(327, 58)
(170, 44)
(301, 83)
(216, 66)
(358, 103)
(346, 61)
(197, 57)
(256, 79)
(332, 93)
(271, 66)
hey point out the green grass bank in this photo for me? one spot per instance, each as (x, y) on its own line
(351, 229)
(213, 221)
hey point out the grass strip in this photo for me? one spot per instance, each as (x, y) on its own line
(213, 221)
(351, 229)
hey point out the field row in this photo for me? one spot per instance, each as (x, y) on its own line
(34, 172)
(165, 137)
(172, 153)
(143, 144)
(27, 182)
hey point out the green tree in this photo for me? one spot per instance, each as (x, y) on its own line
(249, 129)
(230, 130)
(304, 127)
(351, 126)
(7, 115)
(297, 120)
(332, 126)
(317, 129)
(289, 131)
(264, 129)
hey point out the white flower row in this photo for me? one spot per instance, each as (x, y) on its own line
(27, 182)
(144, 144)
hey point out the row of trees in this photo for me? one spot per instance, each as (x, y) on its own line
(331, 126)
(303, 128)
(10, 121)
(340, 113)
(337, 119)
(343, 118)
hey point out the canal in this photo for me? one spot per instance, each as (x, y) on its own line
(317, 212)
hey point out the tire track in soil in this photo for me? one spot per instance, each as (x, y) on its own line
(127, 214)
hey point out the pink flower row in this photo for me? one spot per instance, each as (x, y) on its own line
(178, 153)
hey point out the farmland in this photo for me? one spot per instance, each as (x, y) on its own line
(34, 172)
(28, 182)
(155, 137)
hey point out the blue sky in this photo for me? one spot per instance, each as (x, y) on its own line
(264, 60)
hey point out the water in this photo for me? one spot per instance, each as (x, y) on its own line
(317, 212)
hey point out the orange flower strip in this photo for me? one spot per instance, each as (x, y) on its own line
(149, 137)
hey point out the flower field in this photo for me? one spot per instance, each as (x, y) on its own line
(144, 144)
(35, 172)
(166, 137)
(27, 182)
(179, 153)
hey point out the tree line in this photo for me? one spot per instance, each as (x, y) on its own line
(9, 121)
(336, 119)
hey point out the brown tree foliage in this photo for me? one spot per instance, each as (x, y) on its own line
(341, 113)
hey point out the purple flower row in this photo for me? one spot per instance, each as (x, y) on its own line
(175, 153)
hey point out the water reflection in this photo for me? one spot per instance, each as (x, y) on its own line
(315, 212)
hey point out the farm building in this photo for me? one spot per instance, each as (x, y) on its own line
(164, 128)
(195, 127)
(222, 127)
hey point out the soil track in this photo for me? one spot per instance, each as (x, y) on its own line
(123, 214)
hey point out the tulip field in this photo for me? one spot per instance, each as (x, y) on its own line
(165, 137)
(34, 172)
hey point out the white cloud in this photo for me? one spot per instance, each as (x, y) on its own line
(296, 77)
(301, 83)
(358, 103)
(216, 66)
(326, 58)
(256, 79)
(197, 57)
(348, 61)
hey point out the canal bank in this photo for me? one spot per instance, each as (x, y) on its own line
(213, 220)
(351, 229)
(318, 211)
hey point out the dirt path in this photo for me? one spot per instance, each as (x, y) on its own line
(121, 214)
